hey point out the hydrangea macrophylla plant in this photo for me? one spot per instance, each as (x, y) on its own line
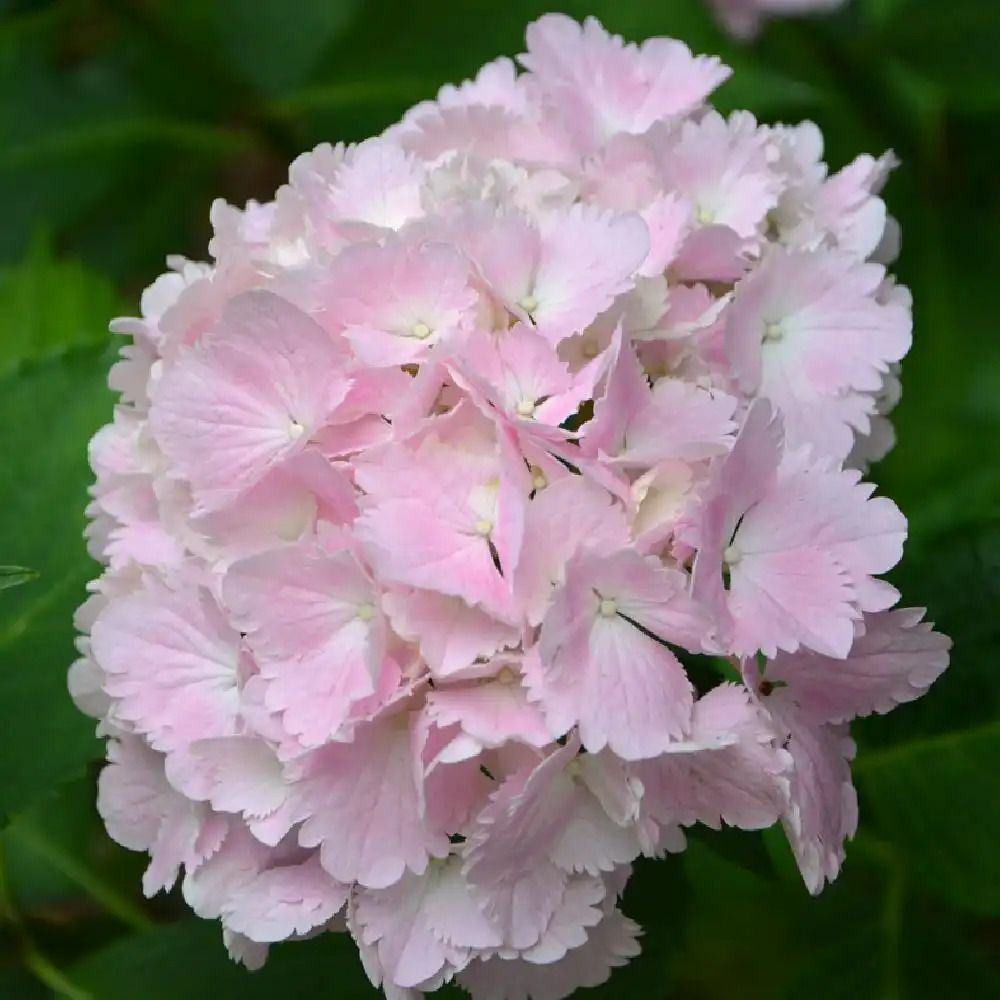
(743, 18)
(419, 497)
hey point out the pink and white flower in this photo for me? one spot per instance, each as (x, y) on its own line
(743, 18)
(418, 501)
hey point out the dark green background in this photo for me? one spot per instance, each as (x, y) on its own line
(120, 121)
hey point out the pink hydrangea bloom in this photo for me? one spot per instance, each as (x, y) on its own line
(419, 497)
(743, 18)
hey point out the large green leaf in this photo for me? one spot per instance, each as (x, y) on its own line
(48, 304)
(52, 398)
(955, 574)
(276, 45)
(48, 412)
(187, 961)
(927, 772)
(941, 471)
(871, 937)
(658, 897)
(40, 99)
(738, 924)
(935, 800)
(745, 848)
(94, 112)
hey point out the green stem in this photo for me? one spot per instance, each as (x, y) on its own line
(33, 957)
(892, 909)
(106, 896)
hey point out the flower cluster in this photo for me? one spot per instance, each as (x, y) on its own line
(743, 18)
(424, 501)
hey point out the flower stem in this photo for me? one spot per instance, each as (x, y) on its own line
(32, 956)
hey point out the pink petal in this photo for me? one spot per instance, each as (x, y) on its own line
(602, 86)
(240, 774)
(283, 902)
(451, 634)
(565, 516)
(371, 777)
(248, 398)
(598, 670)
(395, 300)
(894, 661)
(312, 619)
(609, 945)
(172, 664)
(680, 421)
(742, 780)
(588, 257)
(144, 813)
(396, 921)
(378, 184)
(784, 599)
(580, 910)
(492, 712)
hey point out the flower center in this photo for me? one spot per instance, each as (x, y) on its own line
(732, 555)
(608, 607)
(366, 611)
(507, 677)
(295, 430)
(773, 332)
(421, 331)
(483, 527)
(528, 303)
(526, 408)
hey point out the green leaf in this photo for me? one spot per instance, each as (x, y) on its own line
(745, 848)
(53, 368)
(187, 961)
(274, 46)
(49, 411)
(658, 896)
(948, 421)
(58, 853)
(953, 45)
(47, 305)
(928, 784)
(871, 938)
(16, 983)
(934, 800)
(118, 133)
(14, 576)
(739, 929)
(41, 97)
(955, 574)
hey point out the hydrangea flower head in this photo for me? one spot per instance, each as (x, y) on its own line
(421, 495)
(743, 18)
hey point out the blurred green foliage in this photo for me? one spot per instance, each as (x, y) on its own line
(120, 120)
